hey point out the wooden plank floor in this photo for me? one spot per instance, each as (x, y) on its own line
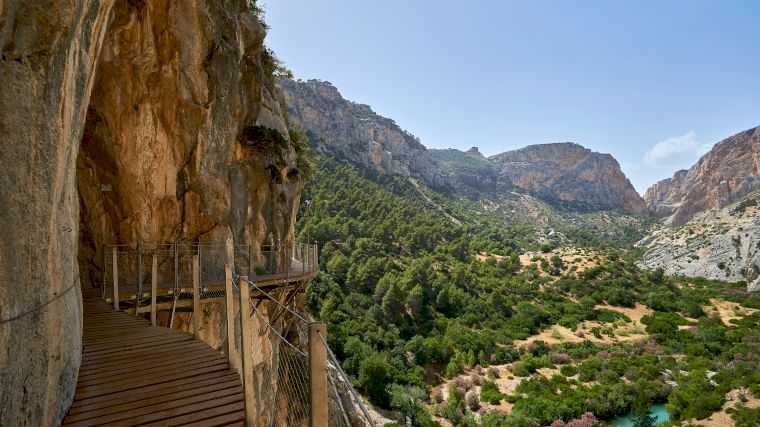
(133, 373)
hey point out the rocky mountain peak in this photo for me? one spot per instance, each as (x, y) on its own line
(356, 132)
(729, 171)
(569, 173)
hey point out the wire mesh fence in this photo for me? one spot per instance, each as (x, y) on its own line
(282, 365)
(131, 268)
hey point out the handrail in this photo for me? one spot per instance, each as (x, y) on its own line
(126, 264)
(347, 381)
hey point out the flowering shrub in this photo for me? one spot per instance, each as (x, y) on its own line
(586, 420)
(473, 400)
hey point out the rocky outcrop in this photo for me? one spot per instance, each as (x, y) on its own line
(728, 172)
(720, 244)
(569, 174)
(165, 154)
(183, 136)
(356, 132)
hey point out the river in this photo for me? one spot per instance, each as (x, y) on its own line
(658, 409)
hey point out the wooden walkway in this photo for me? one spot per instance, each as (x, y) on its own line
(133, 373)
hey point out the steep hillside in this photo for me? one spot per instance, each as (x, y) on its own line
(356, 132)
(722, 244)
(565, 174)
(430, 292)
(729, 171)
(569, 173)
(469, 172)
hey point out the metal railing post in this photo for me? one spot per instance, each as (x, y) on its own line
(176, 267)
(153, 288)
(196, 298)
(200, 264)
(115, 270)
(316, 257)
(318, 410)
(245, 334)
(105, 271)
(139, 280)
(250, 265)
(229, 305)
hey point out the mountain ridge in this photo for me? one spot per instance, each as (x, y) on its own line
(565, 172)
(730, 170)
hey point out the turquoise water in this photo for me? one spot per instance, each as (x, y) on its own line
(657, 409)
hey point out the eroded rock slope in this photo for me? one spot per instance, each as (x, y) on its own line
(730, 170)
(356, 132)
(569, 173)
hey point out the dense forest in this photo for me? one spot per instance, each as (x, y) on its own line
(444, 313)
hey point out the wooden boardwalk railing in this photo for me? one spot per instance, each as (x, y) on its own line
(133, 373)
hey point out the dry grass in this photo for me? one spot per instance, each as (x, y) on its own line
(727, 310)
(622, 332)
(721, 418)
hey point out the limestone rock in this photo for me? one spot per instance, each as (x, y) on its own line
(176, 85)
(754, 286)
(356, 132)
(49, 56)
(720, 244)
(158, 93)
(728, 172)
(569, 173)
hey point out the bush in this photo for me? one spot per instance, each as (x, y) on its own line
(568, 370)
(374, 376)
(521, 370)
(489, 392)
(473, 400)
(560, 358)
(493, 373)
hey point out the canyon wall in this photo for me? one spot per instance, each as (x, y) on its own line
(183, 135)
(729, 171)
(49, 56)
(165, 152)
(569, 173)
(357, 133)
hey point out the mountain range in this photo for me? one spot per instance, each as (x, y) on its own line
(550, 184)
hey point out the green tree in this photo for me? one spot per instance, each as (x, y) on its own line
(374, 376)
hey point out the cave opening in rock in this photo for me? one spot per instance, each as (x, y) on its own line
(98, 209)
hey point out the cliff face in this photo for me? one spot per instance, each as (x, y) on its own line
(159, 94)
(357, 132)
(729, 171)
(164, 153)
(569, 173)
(49, 56)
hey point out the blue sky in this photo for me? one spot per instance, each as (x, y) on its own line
(654, 83)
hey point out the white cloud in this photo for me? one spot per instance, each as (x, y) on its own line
(676, 152)
(629, 168)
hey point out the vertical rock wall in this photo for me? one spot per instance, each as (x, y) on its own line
(49, 56)
(159, 94)
(164, 155)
